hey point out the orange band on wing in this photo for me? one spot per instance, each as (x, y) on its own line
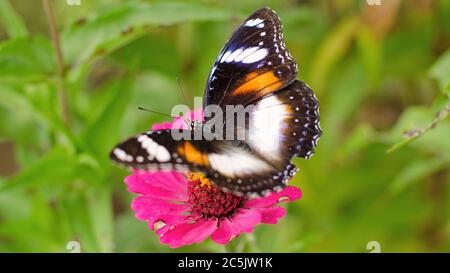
(192, 154)
(265, 82)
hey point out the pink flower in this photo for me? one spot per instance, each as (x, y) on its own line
(186, 209)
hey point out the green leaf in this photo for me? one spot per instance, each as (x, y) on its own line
(408, 52)
(101, 213)
(101, 133)
(123, 23)
(331, 50)
(350, 87)
(26, 59)
(141, 55)
(370, 50)
(37, 115)
(76, 208)
(38, 230)
(12, 22)
(89, 215)
(14, 205)
(441, 71)
(56, 166)
(129, 233)
(24, 126)
(414, 172)
(419, 125)
(360, 138)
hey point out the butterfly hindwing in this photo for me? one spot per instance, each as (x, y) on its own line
(236, 168)
(231, 166)
(257, 185)
(285, 124)
(253, 63)
(303, 130)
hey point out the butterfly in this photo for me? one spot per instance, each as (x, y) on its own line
(254, 68)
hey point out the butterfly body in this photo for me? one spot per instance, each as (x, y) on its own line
(279, 118)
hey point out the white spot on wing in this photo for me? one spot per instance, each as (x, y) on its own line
(154, 150)
(122, 155)
(256, 56)
(233, 55)
(236, 162)
(213, 70)
(246, 53)
(254, 22)
(225, 56)
(266, 125)
(162, 155)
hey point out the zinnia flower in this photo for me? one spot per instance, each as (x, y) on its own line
(185, 209)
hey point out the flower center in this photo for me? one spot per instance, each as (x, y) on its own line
(208, 200)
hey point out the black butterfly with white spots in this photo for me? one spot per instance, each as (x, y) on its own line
(253, 69)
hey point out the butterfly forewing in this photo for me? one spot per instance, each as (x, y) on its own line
(157, 150)
(253, 63)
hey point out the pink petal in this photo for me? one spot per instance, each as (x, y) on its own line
(159, 229)
(271, 215)
(153, 209)
(179, 123)
(164, 185)
(188, 233)
(245, 219)
(290, 194)
(224, 233)
(166, 221)
(162, 126)
(243, 222)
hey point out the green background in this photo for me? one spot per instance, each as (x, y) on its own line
(381, 74)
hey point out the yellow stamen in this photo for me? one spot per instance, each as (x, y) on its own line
(196, 176)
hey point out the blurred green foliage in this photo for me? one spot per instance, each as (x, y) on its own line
(381, 73)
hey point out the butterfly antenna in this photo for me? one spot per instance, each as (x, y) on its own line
(163, 114)
(154, 112)
(182, 92)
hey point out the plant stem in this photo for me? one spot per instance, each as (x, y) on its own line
(59, 58)
(55, 37)
(417, 132)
